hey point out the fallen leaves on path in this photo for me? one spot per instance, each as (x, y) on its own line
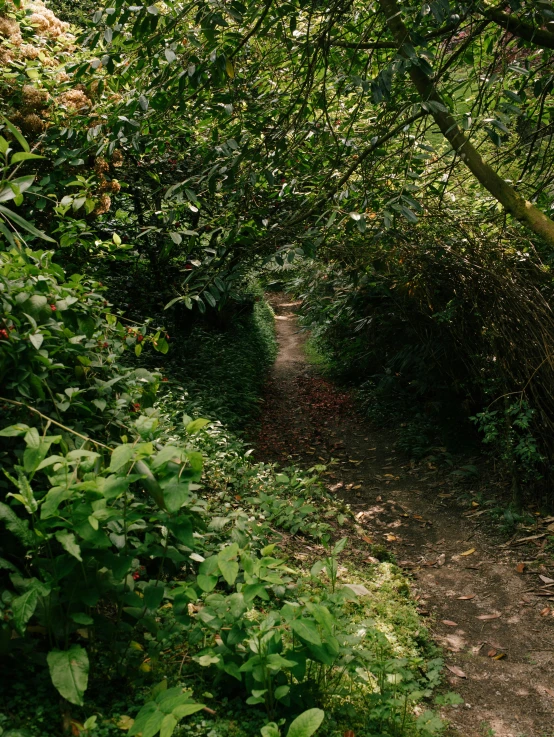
(457, 671)
(449, 623)
(468, 552)
(466, 598)
(486, 617)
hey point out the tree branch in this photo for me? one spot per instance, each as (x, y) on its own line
(519, 28)
(521, 209)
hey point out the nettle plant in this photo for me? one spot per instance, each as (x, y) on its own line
(91, 540)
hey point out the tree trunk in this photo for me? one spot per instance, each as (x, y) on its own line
(521, 209)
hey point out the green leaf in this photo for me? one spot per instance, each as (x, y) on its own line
(24, 156)
(271, 730)
(153, 596)
(82, 618)
(37, 339)
(121, 455)
(21, 184)
(13, 431)
(185, 710)
(282, 691)
(69, 543)
(23, 608)
(306, 724)
(306, 630)
(69, 672)
(168, 726)
(196, 425)
(26, 497)
(150, 483)
(18, 220)
(251, 590)
(209, 299)
(17, 526)
(228, 567)
(16, 134)
(206, 583)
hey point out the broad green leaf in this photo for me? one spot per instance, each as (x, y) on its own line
(153, 596)
(23, 608)
(185, 710)
(206, 583)
(306, 724)
(282, 691)
(36, 339)
(69, 672)
(150, 483)
(196, 425)
(17, 526)
(82, 618)
(306, 630)
(271, 730)
(14, 431)
(168, 725)
(69, 543)
(251, 590)
(121, 455)
(24, 156)
(228, 567)
(21, 184)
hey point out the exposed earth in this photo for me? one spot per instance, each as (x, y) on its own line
(488, 601)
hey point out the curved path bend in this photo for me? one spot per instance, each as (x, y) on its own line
(484, 602)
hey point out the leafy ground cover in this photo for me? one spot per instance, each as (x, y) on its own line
(167, 567)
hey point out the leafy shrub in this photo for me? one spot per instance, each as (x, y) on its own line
(64, 351)
(224, 368)
(79, 525)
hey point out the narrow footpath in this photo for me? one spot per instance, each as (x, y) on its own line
(489, 604)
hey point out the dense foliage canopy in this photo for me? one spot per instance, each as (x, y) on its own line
(400, 154)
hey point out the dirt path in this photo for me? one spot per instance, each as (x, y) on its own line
(489, 612)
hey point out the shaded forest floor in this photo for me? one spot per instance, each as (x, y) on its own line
(488, 601)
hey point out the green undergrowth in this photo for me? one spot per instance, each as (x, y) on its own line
(184, 588)
(224, 369)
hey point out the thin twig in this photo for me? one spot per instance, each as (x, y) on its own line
(55, 422)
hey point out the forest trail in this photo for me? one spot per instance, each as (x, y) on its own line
(477, 605)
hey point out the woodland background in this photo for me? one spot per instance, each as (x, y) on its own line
(390, 163)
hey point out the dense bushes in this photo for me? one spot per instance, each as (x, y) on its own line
(228, 390)
(118, 551)
(449, 332)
